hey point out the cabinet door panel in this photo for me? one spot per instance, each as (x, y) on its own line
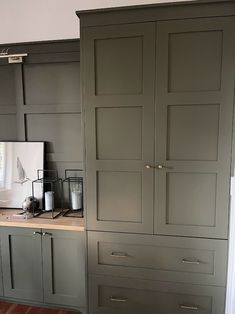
(194, 109)
(21, 263)
(119, 76)
(64, 267)
(8, 128)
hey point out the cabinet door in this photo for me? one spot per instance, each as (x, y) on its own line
(64, 267)
(194, 110)
(22, 263)
(118, 75)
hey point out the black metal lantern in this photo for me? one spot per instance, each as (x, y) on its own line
(73, 194)
(52, 190)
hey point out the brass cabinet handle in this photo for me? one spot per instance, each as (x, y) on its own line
(118, 299)
(47, 233)
(37, 232)
(186, 261)
(148, 166)
(159, 166)
(188, 307)
(119, 254)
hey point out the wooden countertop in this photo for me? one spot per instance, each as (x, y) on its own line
(8, 219)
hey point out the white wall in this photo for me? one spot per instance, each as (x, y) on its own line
(35, 20)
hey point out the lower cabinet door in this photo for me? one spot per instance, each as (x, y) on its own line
(22, 263)
(64, 267)
(115, 295)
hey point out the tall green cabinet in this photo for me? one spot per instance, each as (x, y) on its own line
(158, 92)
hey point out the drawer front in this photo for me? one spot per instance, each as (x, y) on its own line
(199, 261)
(111, 295)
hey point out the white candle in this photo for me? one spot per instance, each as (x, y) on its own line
(76, 200)
(49, 200)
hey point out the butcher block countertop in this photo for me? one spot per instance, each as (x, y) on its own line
(8, 219)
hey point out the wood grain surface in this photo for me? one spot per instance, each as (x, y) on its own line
(8, 219)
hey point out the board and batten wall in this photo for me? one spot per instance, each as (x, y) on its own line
(40, 101)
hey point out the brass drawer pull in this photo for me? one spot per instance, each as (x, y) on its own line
(118, 299)
(119, 254)
(185, 261)
(187, 307)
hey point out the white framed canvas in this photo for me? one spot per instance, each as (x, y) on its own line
(19, 162)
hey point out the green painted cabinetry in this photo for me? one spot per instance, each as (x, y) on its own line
(119, 63)
(63, 256)
(158, 95)
(21, 263)
(44, 266)
(159, 150)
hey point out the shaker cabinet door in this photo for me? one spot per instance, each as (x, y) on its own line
(22, 263)
(194, 110)
(119, 74)
(64, 270)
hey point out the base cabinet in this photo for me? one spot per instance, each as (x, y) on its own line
(45, 266)
(112, 295)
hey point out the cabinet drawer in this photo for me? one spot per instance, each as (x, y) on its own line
(198, 261)
(111, 295)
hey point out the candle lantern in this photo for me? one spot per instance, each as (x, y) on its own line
(73, 194)
(52, 191)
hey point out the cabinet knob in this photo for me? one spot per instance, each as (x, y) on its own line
(160, 166)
